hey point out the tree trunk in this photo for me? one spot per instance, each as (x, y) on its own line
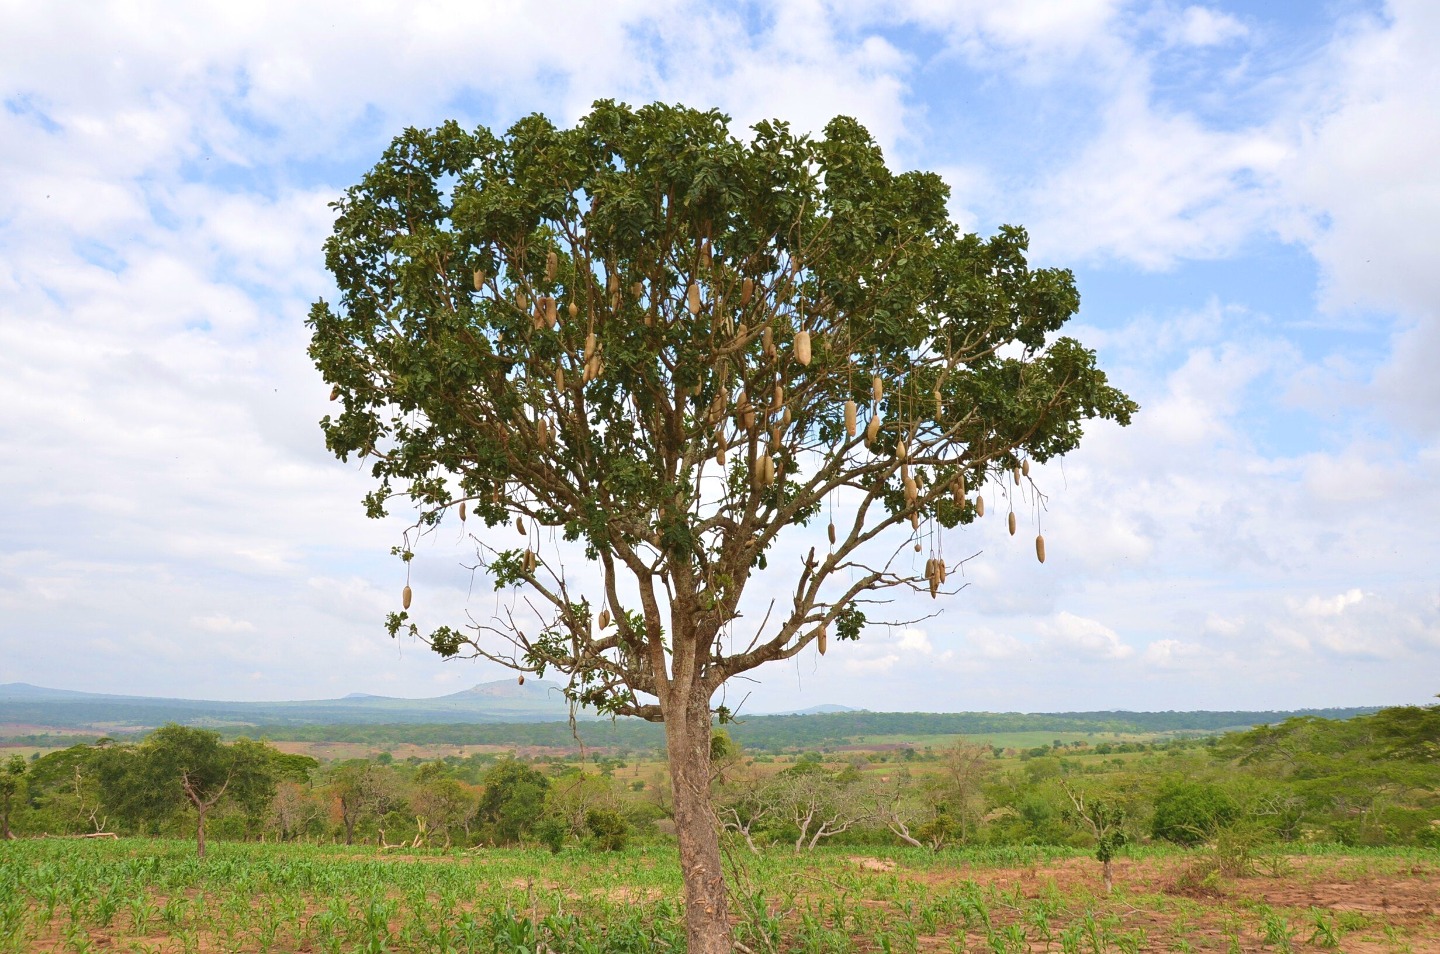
(707, 910)
(200, 833)
(1109, 876)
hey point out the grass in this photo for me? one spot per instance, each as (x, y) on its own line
(154, 897)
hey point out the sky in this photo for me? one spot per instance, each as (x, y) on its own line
(1248, 194)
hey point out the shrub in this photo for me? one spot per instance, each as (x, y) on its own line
(1191, 812)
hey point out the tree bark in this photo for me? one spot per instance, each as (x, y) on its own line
(1108, 873)
(707, 909)
(200, 832)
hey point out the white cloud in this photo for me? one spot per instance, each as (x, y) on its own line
(1204, 26)
(220, 623)
(1085, 637)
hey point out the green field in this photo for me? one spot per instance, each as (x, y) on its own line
(154, 896)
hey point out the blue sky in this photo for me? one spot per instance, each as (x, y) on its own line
(1248, 194)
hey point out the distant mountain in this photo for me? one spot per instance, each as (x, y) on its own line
(818, 710)
(501, 701)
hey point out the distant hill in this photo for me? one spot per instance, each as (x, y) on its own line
(536, 713)
(501, 701)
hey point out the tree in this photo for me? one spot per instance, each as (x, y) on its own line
(1190, 812)
(12, 780)
(362, 789)
(1104, 818)
(513, 801)
(675, 347)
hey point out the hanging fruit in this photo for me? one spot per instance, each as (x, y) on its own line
(520, 680)
(831, 533)
(1025, 467)
(747, 291)
(552, 262)
(479, 280)
(802, 347)
(405, 597)
(462, 511)
(559, 378)
(552, 312)
(850, 412)
(520, 526)
(1012, 523)
(767, 342)
(335, 393)
(979, 506)
(872, 430)
(821, 640)
(637, 290)
(592, 344)
(692, 299)
(877, 388)
(720, 447)
(1040, 548)
(572, 309)
(604, 618)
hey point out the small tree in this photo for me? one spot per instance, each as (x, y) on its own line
(12, 783)
(675, 347)
(179, 767)
(513, 801)
(1104, 818)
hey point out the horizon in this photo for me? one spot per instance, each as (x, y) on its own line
(807, 710)
(1243, 192)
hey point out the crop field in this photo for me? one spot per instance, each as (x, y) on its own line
(146, 895)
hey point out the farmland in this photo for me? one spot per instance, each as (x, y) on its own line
(154, 896)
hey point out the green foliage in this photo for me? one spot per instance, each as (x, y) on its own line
(1188, 813)
(513, 802)
(608, 829)
(559, 325)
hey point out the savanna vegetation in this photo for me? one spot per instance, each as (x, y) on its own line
(1279, 837)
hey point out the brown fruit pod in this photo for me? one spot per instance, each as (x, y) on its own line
(479, 277)
(637, 290)
(559, 378)
(552, 263)
(901, 451)
(520, 680)
(1016, 472)
(520, 526)
(802, 347)
(821, 640)
(747, 291)
(572, 309)
(521, 302)
(1040, 548)
(1012, 523)
(462, 511)
(405, 597)
(767, 341)
(604, 618)
(1025, 467)
(872, 430)
(777, 400)
(831, 534)
(692, 299)
(850, 411)
(877, 388)
(335, 393)
(979, 506)
(552, 312)
(592, 344)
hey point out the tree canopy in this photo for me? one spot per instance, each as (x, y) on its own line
(672, 346)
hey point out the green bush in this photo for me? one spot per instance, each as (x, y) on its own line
(1191, 812)
(610, 830)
